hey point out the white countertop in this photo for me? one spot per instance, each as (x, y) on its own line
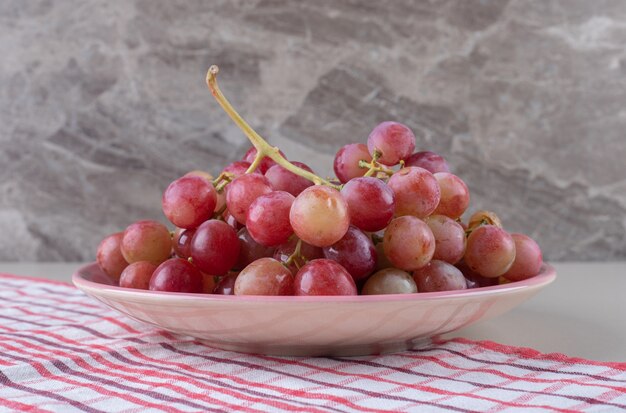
(582, 314)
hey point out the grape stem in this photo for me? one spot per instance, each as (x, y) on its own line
(374, 167)
(263, 148)
(295, 255)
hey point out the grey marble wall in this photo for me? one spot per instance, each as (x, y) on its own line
(103, 103)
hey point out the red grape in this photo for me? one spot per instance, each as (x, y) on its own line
(146, 241)
(393, 140)
(449, 238)
(371, 203)
(265, 276)
(490, 251)
(189, 201)
(208, 283)
(137, 275)
(428, 160)
(250, 250)
(324, 277)
(528, 259)
(355, 252)
(481, 217)
(308, 252)
(319, 216)
(109, 256)
(176, 275)
(389, 281)
(226, 285)
(201, 174)
(439, 276)
(215, 247)
(181, 242)
(243, 191)
(416, 191)
(455, 196)
(409, 243)
(266, 162)
(268, 218)
(347, 159)
(283, 180)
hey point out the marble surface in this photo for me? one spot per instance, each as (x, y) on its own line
(103, 103)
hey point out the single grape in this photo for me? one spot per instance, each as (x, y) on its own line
(181, 242)
(528, 259)
(230, 220)
(146, 241)
(109, 256)
(355, 252)
(176, 275)
(409, 243)
(490, 251)
(428, 160)
(473, 279)
(226, 284)
(455, 196)
(393, 140)
(347, 159)
(371, 203)
(202, 174)
(308, 253)
(266, 163)
(268, 218)
(239, 168)
(243, 191)
(481, 217)
(319, 216)
(283, 180)
(324, 277)
(189, 201)
(449, 238)
(208, 283)
(137, 275)
(439, 276)
(250, 250)
(215, 247)
(389, 281)
(416, 192)
(265, 276)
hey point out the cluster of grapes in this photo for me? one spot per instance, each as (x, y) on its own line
(390, 223)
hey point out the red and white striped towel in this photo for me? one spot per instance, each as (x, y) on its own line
(61, 351)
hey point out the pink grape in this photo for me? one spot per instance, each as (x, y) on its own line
(490, 251)
(176, 275)
(201, 174)
(324, 277)
(250, 250)
(371, 203)
(265, 276)
(243, 191)
(346, 164)
(181, 242)
(449, 238)
(189, 201)
(137, 275)
(416, 192)
(439, 276)
(238, 168)
(226, 285)
(215, 247)
(393, 140)
(409, 243)
(109, 256)
(528, 259)
(283, 180)
(355, 252)
(390, 281)
(319, 216)
(266, 163)
(268, 218)
(455, 195)
(308, 253)
(146, 241)
(428, 160)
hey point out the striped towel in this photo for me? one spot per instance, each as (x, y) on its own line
(61, 351)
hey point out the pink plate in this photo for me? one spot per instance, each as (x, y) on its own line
(311, 326)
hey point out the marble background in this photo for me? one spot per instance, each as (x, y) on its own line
(103, 103)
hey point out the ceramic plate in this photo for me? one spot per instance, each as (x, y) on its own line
(356, 325)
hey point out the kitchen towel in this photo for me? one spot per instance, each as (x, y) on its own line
(61, 351)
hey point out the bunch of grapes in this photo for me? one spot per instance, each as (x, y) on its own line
(389, 223)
